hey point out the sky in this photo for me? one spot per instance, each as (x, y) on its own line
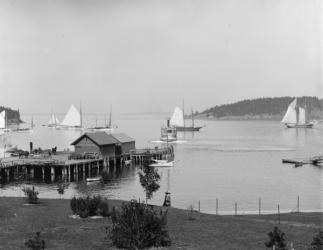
(149, 55)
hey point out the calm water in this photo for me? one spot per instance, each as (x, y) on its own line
(234, 161)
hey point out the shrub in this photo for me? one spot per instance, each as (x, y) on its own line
(139, 226)
(277, 239)
(85, 207)
(31, 195)
(35, 243)
(317, 243)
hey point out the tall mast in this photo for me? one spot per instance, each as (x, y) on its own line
(81, 116)
(110, 122)
(192, 119)
(305, 108)
(297, 112)
(183, 112)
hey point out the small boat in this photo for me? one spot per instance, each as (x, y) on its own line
(53, 122)
(161, 163)
(168, 133)
(94, 179)
(178, 121)
(296, 116)
(26, 130)
(72, 119)
(3, 123)
(127, 162)
(106, 128)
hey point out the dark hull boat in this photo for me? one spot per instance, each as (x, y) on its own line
(188, 129)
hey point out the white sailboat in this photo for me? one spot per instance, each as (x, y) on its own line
(296, 117)
(3, 122)
(178, 121)
(53, 121)
(107, 127)
(72, 119)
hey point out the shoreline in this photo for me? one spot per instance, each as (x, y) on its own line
(206, 231)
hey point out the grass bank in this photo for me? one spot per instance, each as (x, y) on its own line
(19, 222)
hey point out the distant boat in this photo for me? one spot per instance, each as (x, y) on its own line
(26, 130)
(106, 128)
(178, 121)
(3, 123)
(94, 179)
(168, 133)
(53, 122)
(161, 163)
(296, 116)
(72, 119)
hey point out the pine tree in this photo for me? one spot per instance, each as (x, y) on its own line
(277, 239)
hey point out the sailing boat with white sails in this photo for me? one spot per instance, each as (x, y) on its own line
(178, 121)
(107, 127)
(296, 116)
(53, 122)
(72, 119)
(3, 123)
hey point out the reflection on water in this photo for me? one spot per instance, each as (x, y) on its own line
(232, 161)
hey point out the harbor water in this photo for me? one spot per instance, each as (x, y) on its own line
(229, 161)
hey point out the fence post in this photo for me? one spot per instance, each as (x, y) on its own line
(259, 206)
(236, 208)
(217, 207)
(298, 203)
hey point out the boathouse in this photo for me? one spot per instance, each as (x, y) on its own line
(125, 144)
(98, 142)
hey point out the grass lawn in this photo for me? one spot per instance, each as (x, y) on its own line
(19, 222)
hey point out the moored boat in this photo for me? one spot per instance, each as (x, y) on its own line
(94, 179)
(72, 119)
(168, 133)
(296, 116)
(178, 121)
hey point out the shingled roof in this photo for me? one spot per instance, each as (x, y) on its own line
(99, 138)
(121, 137)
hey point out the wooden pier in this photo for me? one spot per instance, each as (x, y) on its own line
(51, 168)
(316, 160)
(62, 165)
(138, 156)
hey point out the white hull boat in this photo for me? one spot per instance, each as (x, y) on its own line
(94, 179)
(161, 163)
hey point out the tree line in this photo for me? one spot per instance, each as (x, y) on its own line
(264, 106)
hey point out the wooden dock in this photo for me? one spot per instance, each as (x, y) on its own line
(62, 165)
(315, 160)
(138, 156)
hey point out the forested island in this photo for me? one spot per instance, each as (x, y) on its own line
(263, 108)
(13, 116)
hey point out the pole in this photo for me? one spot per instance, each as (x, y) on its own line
(236, 208)
(183, 114)
(259, 203)
(199, 206)
(298, 203)
(278, 214)
(217, 207)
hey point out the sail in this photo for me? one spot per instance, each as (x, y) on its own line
(177, 118)
(72, 118)
(302, 116)
(53, 120)
(3, 119)
(291, 115)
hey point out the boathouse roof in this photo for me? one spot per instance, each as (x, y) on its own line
(99, 138)
(122, 137)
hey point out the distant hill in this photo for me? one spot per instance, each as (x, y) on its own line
(13, 116)
(263, 108)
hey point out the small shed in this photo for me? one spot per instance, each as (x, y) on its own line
(97, 142)
(125, 143)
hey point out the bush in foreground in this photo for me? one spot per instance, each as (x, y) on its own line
(277, 239)
(35, 243)
(85, 207)
(31, 195)
(139, 226)
(317, 243)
